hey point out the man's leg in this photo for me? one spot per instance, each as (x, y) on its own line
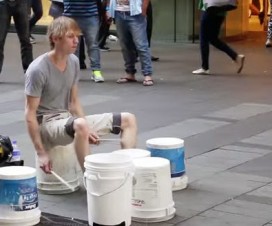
(128, 130)
(137, 27)
(126, 42)
(37, 9)
(20, 17)
(5, 22)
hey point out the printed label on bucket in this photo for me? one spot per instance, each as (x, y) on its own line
(175, 156)
(20, 195)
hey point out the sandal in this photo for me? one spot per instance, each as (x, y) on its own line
(125, 80)
(148, 82)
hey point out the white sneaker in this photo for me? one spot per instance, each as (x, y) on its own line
(113, 38)
(201, 71)
(268, 43)
(240, 60)
(97, 76)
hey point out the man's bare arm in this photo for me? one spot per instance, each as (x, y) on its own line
(31, 106)
(144, 6)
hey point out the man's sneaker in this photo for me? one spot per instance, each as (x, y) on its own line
(104, 49)
(113, 38)
(201, 71)
(268, 43)
(32, 39)
(97, 76)
(240, 60)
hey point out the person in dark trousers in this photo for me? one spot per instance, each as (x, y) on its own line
(19, 11)
(56, 10)
(209, 31)
(104, 28)
(37, 12)
(149, 27)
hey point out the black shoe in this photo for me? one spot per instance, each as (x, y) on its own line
(104, 49)
(261, 17)
(154, 58)
(83, 66)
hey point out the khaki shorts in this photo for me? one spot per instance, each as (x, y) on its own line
(53, 131)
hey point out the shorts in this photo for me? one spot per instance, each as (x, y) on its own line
(54, 133)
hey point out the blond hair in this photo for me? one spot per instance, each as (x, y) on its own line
(60, 26)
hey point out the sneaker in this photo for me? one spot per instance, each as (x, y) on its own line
(240, 60)
(113, 38)
(32, 39)
(201, 71)
(97, 76)
(268, 43)
(104, 49)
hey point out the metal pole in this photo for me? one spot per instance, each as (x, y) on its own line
(175, 20)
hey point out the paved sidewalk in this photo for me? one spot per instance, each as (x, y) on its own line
(225, 120)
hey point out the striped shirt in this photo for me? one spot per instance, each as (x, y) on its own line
(80, 8)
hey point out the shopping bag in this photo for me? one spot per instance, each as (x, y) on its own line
(220, 5)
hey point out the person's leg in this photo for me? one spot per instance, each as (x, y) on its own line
(123, 123)
(37, 9)
(82, 53)
(5, 18)
(269, 29)
(126, 43)
(20, 17)
(137, 26)
(204, 40)
(149, 24)
(128, 130)
(215, 24)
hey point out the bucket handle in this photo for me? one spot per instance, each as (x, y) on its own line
(108, 192)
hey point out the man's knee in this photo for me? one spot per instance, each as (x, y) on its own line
(77, 126)
(128, 120)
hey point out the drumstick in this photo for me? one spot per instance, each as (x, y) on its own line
(110, 139)
(62, 181)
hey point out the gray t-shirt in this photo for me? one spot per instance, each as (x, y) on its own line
(45, 80)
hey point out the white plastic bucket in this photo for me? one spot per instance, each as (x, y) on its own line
(152, 198)
(134, 153)
(18, 196)
(108, 181)
(172, 149)
(65, 164)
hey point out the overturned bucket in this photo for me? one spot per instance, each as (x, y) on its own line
(172, 149)
(108, 181)
(134, 153)
(152, 198)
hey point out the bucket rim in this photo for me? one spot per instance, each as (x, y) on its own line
(17, 172)
(165, 143)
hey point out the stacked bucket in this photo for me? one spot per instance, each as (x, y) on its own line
(135, 184)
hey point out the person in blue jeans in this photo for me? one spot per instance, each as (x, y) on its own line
(85, 13)
(19, 11)
(130, 19)
(37, 12)
(209, 34)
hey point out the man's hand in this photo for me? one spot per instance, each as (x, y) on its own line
(93, 138)
(45, 163)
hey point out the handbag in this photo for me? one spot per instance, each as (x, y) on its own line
(220, 5)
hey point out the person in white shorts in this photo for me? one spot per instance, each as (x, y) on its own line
(53, 112)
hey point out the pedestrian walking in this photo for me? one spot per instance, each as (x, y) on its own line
(209, 34)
